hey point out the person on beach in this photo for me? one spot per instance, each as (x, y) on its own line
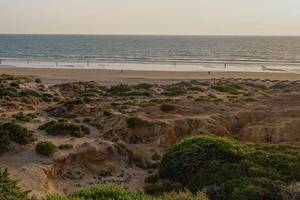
(208, 72)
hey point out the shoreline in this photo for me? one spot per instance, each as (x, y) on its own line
(110, 76)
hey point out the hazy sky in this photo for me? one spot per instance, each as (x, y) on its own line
(196, 17)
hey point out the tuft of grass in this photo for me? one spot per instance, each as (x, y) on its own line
(167, 107)
(184, 195)
(231, 88)
(134, 122)
(45, 148)
(175, 91)
(8, 92)
(63, 127)
(65, 146)
(17, 133)
(29, 93)
(103, 192)
(24, 117)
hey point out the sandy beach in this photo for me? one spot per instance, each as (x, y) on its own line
(134, 76)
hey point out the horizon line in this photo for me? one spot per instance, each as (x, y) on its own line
(150, 34)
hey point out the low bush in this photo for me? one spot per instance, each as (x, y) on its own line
(17, 133)
(9, 189)
(65, 146)
(143, 86)
(167, 107)
(14, 84)
(134, 122)
(4, 141)
(45, 148)
(240, 171)
(119, 89)
(229, 88)
(24, 117)
(184, 195)
(175, 91)
(63, 128)
(8, 92)
(29, 93)
(103, 192)
(161, 187)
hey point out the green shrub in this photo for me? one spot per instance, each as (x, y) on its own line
(228, 88)
(175, 91)
(14, 84)
(103, 192)
(241, 171)
(63, 128)
(17, 133)
(143, 86)
(29, 93)
(23, 117)
(9, 189)
(134, 122)
(38, 80)
(161, 187)
(4, 141)
(119, 89)
(167, 107)
(45, 148)
(184, 195)
(8, 92)
(65, 146)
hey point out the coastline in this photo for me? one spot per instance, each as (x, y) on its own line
(109, 76)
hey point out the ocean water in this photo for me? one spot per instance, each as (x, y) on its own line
(278, 52)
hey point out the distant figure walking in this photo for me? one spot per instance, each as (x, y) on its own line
(208, 72)
(0, 62)
(225, 65)
(122, 71)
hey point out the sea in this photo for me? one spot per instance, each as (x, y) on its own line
(152, 52)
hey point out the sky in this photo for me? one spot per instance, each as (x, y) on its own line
(180, 17)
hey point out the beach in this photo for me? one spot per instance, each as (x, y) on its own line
(107, 76)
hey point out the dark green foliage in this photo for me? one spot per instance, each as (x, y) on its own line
(134, 122)
(119, 89)
(241, 171)
(24, 117)
(167, 107)
(126, 90)
(108, 113)
(4, 141)
(8, 92)
(103, 192)
(175, 91)
(29, 93)
(45, 148)
(14, 84)
(9, 189)
(161, 187)
(63, 127)
(143, 86)
(17, 133)
(37, 80)
(229, 88)
(65, 146)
